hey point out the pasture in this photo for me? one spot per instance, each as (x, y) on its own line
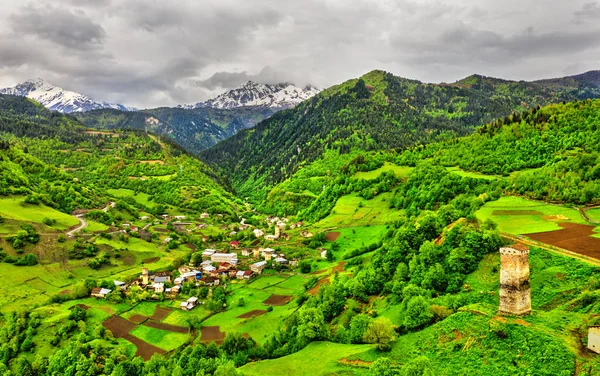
(140, 198)
(467, 174)
(399, 171)
(318, 358)
(14, 208)
(516, 215)
(354, 211)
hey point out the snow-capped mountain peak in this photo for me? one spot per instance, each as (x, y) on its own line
(57, 99)
(282, 95)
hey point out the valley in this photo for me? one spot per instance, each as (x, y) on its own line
(309, 243)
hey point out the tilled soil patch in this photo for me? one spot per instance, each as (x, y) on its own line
(160, 313)
(144, 349)
(321, 282)
(253, 313)
(138, 319)
(332, 236)
(118, 326)
(573, 237)
(150, 260)
(163, 326)
(277, 300)
(211, 333)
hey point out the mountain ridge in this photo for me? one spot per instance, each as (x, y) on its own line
(58, 99)
(256, 94)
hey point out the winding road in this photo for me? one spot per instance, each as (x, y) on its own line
(83, 223)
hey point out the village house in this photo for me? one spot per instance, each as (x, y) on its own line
(167, 240)
(225, 265)
(210, 281)
(294, 263)
(244, 274)
(204, 215)
(165, 275)
(224, 257)
(175, 289)
(208, 253)
(99, 292)
(120, 285)
(189, 304)
(594, 339)
(270, 237)
(134, 229)
(201, 226)
(267, 251)
(324, 254)
(158, 287)
(209, 269)
(144, 218)
(281, 224)
(231, 273)
(306, 234)
(258, 267)
(258, 233)
(246, 252)
(281, 261)
(161, 279)
(126, 225)
(234, 244)
(179, 217)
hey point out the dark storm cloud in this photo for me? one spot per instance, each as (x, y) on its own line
(69, 28)
(153, 52)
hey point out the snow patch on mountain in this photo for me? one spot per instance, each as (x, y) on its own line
(282, 95)
(57, 99)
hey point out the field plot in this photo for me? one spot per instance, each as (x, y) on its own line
(520, 216)
(165, 339)
(140, 198)
(353, 210)
(318, 358)
(474, 175)
(573, 237)
(12, 208)
(593, 214)
(211, 334)
(400, 171)
(277, 300)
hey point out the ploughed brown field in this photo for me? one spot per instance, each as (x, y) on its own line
(144, 349)
(277, 300)
(332, 236)
(163, 326)
(573, 237)
(119, 326)
(82, 306)
(253, 313)
(160, 313)
(150, 260)
(211, 333)
(138, 319)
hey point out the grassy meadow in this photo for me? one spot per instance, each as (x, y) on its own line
(517, 215)
(15, 208)
(400, 171)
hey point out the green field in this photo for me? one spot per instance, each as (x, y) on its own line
(467, 174)
(352, 238)
(95, 226)
(593, 214)
(400, 171)
(352, 210)
(12, 208)
(318, 358)
(164, 339)
(517, 215)
(140, 198)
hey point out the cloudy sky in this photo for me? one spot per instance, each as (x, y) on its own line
(153, 52)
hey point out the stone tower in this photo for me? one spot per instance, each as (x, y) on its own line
(277, 231)
(515, 298)
(145, 276)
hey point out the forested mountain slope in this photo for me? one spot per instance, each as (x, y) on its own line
(550, 153)
(54, 158)
(378, 111)
(195, 129)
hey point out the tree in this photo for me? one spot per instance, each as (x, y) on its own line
(358, 327)
(311, 325)
(381, 332)
(382, 367)
(417, 312)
